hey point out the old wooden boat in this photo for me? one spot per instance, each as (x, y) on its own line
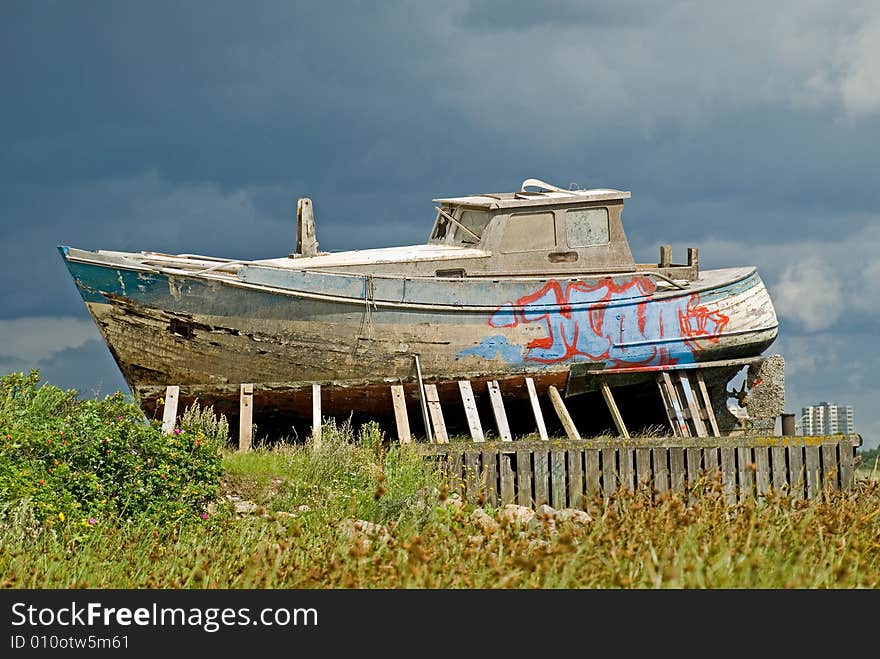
(540, 282)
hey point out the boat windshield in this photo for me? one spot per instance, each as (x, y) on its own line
(459, 226)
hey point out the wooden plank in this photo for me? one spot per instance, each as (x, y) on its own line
(490, 464)
(710, 462)
(456, 462)
(728, 474)
(830, 466)
(470, 410)
(592, 472)
(811, 469)
(667, 405)
(422, 400)
(472, 474)
(557, 478)
(745, 470)
(401, 417)
(762, 470)
(692, 404)
(432, 400)
(677, 410)
(542, 477)
(536, 409)
(695, 473)
(524, 478)
(778, 470)
(847, 464)
(169, 408)
(644, 477)
(498, 411)
(797, 478)
(661, 471)
(676, 469)
(575, 478)
(609, 471)
(316, 414)
(564, 416)
(627, 473)
(612, 407)
(508, 487)
(707, 404)
(246, 417)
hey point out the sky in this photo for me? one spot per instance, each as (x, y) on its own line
(749, 129)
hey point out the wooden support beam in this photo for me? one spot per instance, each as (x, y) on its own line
(693, 405)
(667, 405)
(707, 405)
(401, 417)
(678, 411)
(470, 410)
(169, 411)
(612, 407)
(422, 401)
(316, 414)
(498, 411)
(564, 416)
(432, 400)
(536, 409)
(246, 418)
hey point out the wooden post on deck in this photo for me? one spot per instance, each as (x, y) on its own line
(169, 413)
(246, 418)
(665, 256)
(316, 414)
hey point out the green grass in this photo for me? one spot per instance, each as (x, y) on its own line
(430, 543)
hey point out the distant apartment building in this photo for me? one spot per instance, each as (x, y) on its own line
(827, 419)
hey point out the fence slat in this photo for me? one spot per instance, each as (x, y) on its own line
(779, 469)
(557, 478)
(694, 458)
(470, 410)
(508, 487)
(728, 474)
(536, 409)
(661, 471)
(498, 411)
(575, 478)
(455, 479)
(762, 470)
(472, 475)
(591, 472)
(625, 457)
(746, 472)
(609, 471)
(676, 469)
(644, 477)
(542, 477)
(401, 417)
(830, 469)
(797, 478)
(490, 462)
(846, 464)
(524, 478)
(811, 467)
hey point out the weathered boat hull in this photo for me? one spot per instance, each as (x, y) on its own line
(283, 331)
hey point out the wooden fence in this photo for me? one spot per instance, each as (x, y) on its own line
(567, 474)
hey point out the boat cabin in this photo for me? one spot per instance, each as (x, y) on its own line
(546, 230)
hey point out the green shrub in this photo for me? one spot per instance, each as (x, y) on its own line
(84, 462)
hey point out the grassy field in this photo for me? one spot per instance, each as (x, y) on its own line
(356, 513)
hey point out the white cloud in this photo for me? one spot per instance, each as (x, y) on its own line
(38, 338)
(812, 293)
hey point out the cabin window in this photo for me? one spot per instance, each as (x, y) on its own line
(473, 220)
(529, 232)
(587, 226)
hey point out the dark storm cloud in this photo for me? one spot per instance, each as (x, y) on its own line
(193, 127)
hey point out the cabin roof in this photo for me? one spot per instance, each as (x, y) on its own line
(547, 194)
